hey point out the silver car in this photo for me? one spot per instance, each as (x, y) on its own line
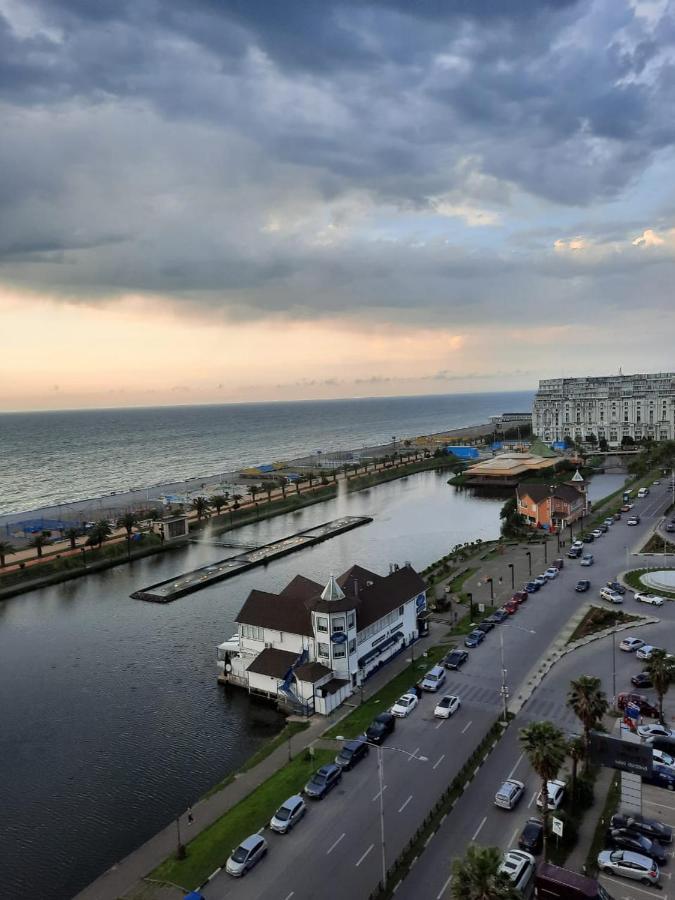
(289, 814)
(247, 854)
(629, 865)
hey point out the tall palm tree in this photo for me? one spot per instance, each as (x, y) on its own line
(38, 543)
(128, 521)
(268, 488)
(545, 747)
(254, 490)
(201, 506)
(236, 498)
(218, 501)
(6, 549)
(588, 702)
(281, 482)
(662, 672)
(576, 750)
(310, 478)
(477, 876)
(298, 481)
(72, 534)
(99, 533)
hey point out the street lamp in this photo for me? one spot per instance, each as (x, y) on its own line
(503, 690)
(470, 596)
(529, 559)
(380, 773)
(492, 591)
(545, 549)
(513, 576)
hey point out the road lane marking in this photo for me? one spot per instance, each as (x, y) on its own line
(633, 887)
(439, 724)
(413, 754)
(477, 832)
(510, 775)
(657, 805)
(444, 888)
(532, 799)
(466, 727)
(333, 846)
(406, 803)
(365, 854)
(428, 840)
(513, 836)
(292, 894)
(438, 761)
(377, 795)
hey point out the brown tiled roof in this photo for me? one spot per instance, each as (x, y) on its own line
(387, 594)
(280, 612)
(311, 672)
(274, 663)
(539, 492)
(301, 587)
(333, 686)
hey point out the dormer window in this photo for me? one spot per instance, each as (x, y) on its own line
(339, 624)
(321, 623)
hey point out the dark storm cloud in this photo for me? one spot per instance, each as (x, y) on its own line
(243, 154)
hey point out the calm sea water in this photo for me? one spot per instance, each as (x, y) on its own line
(58, 457)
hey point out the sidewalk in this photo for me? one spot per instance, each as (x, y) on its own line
(126, 877)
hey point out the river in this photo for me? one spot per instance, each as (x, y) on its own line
(112, 720)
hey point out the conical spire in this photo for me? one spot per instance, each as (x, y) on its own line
(578, 476)
(332, 591)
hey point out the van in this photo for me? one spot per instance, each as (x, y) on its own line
(643, 492)
(509, 794)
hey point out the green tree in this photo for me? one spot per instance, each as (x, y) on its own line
(254, 490)
(72, 535)
(128, 521)
(218, 501)
(281, 483)
(477, 876)
(662, 673)
(545, 747)
(6, 549)
(298, 483)
(588, 702)
(38, 543)
(576, 750)
(99, 533)
(201, 506)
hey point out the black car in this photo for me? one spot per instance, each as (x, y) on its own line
(486, 625)
(532, 836)
(642, 680)
(670, 527)
(474, 638)
(380, 727)
(455, 659)
(352, 753)
(574, 553)
(649, 827)
(623, 839)
(323, 781)
(582, 586)
(588, 538)
(661, 777)
(615, 586)
(604, 527)
(499, 615)
(531, 587)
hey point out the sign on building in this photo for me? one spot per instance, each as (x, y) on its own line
(557, 826)
(625, 756)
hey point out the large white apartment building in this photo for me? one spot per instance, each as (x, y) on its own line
(610, 407)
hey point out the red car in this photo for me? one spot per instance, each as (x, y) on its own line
(646, 707)
(519, 597)
(511, 607)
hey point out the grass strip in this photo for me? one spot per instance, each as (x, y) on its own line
(597, 619)
(211, 848)
(633, 579)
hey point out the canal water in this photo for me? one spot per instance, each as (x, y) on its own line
(112, 721)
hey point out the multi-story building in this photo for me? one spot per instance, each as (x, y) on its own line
(610, 407)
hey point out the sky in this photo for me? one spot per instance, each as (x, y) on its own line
(208, 201)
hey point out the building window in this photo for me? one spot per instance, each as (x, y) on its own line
(339, 652)
(321, 623)
(323, 650)
(338, 625)
(352, 645)
(351, 621)
(400, 610)
(254, 632)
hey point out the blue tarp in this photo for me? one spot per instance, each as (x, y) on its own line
(463, 452)
(265, 468)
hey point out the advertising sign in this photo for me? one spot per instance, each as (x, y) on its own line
(339, 637)
(557, 826)
(623, 755)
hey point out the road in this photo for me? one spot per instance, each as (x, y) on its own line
(335, 851)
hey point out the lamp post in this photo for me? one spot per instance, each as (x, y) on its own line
(504, 690)
(180, 847)
(380, 775)
(470, 596)
(529, 560)
(513, 576)
(492, 590)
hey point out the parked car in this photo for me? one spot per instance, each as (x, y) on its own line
(434, 679)
(582, 586)
(586, 560)
(551, 573)
(289, 814)
(661, 777)
(647, 708)
(509, 794)
(617, 516)
(628, 865)
(649, 827)
(499, 615)
(641, 680)
(622, 839)
(248, 853)
(511, 607)
(578, 544)
(556, 792)
(588, 538)
(559, 563)
(352, 753)
(663, 759)
(381, 727)
(474, 638)
(405, 705)
(573, 553)
(650, 599)
(486, 625)
(670, 527)
(609, 521)
(626, 507)
(455, 659)
(610, 596)
(532, 836)
(447, 706)
(520, 596)
(323, 781)
(532, 587)
(655, 730)
(519, 866)
(633, 520)
(631, 644)
(541, 580)
(642, 492)
(646, 652)
(603, 528)
(615, 586)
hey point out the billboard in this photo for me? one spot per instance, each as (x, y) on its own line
(623, 755)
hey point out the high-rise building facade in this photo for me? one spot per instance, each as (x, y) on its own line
(610, 407)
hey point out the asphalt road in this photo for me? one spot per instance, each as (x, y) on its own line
(335, 851)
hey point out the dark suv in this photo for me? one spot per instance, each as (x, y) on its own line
(615, 586)
(380, 727)
(323, 781)
(532, 836)
(455, 659)
(352, 753)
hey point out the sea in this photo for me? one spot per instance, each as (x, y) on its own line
(49, 458)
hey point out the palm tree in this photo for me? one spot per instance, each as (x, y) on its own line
(201, 506)
(477, 876)
(545, 747)
(99, 533)
(72, 534)
(254, 490)
(218, 501)
(268, 488)
(588, 702)
(298, 481)
(38, 543)
(281, 482)
(576, 750)
(310, 478)
(6, 549)
(236, 498)
(662, 673)
(128, 521)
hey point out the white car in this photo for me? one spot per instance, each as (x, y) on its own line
(631, 644)
(586, 559)
(651, 599)
(556, 792)
(629, 865)
(655, 730)
(664, 759)
(519, 866)
(597, 533)
(578, 544)
(646, 652)
(541, 580)
(656, 482)
(447, 706)
(551, 573)
(404, 705)
(610, 596)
